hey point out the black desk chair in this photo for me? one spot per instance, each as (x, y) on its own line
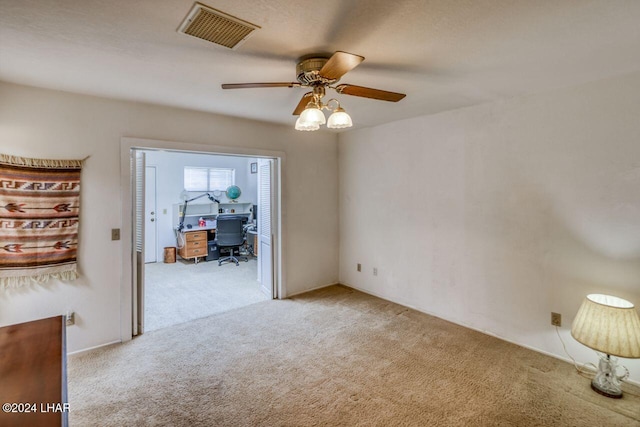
(230, 234)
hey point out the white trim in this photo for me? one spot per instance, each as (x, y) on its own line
(314, 289)
(537, 350)
(278, 233)
(129, 143)
(84, 350)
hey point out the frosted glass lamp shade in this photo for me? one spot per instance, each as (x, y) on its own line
(609, 325)
(306, 126)
(312, 115)
(339, 120)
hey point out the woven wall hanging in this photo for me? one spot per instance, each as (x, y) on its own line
(39, 219)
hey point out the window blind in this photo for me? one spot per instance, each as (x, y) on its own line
(208, 179)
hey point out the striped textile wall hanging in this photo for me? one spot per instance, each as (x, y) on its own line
(39, 214)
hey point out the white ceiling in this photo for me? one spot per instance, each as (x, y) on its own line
(443, 54)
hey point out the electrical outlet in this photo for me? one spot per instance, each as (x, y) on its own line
(375, 271)
(556, 319)
(359, 267)
(70, 318)
(115, 234)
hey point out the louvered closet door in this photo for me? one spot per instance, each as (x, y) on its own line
(265, 271)
(138, 172)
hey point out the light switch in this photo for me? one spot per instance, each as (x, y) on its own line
(115, 234)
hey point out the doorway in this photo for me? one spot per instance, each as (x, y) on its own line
(193, 199)
(269, 264)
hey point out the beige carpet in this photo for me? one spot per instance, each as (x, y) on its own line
(333, 357)
(182, 291)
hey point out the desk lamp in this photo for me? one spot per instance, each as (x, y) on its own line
(186, 202)
(609, 325)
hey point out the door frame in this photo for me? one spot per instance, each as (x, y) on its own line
(155, 206)
(262, 253)
(127, 281)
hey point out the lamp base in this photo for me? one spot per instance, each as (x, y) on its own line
(606, 381)
(607, 393)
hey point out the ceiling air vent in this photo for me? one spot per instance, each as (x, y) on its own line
(217, 27)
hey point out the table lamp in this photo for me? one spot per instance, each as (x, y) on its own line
(611, 326)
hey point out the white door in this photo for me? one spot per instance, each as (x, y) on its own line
(265, 202)
(150, 216)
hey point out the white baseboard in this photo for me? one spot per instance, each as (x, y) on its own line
(84, 350)
(312, 289)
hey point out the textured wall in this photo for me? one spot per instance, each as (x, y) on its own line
(493, 216)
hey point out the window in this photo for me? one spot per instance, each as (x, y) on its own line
(208, 179)
(220, 179)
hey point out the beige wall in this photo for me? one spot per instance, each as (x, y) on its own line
(493, 216)
(49, 124)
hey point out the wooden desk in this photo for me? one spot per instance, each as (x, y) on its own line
(33, 373)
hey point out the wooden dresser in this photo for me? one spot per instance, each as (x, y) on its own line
(33, 373)
(194, 244)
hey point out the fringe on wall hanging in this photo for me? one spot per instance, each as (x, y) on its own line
(39, 220)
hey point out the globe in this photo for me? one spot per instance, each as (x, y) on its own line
(233, 192)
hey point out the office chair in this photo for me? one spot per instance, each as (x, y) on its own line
(230, 234)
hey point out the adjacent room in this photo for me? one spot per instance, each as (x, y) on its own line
(348, 212)
(187, 273)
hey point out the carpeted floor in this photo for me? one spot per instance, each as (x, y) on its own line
(333, 357)
(182, 291)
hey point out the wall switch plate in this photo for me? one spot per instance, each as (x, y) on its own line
(115, 234)
(359, 267)
(375, 271)
(556, 319)
(70, 318)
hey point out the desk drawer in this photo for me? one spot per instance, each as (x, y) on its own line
(195, 252)
(196, 244)
(195, 235)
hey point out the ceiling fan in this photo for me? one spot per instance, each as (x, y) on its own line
(320, 73)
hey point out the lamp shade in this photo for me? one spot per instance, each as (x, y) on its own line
(608, 324)
(306, 126)
(339, 120)
(312, 115)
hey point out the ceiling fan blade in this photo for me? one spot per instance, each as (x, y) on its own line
(306, 98)
(339, 64)
(254, 85)
(367, 92)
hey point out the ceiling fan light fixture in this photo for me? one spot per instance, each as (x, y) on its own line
(312, 114)
(320, 73)
(306, 126)
(339, 119)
